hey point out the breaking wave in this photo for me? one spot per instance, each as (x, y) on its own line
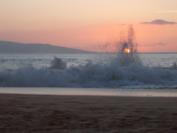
(105, 75)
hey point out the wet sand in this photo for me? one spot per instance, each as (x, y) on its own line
(87, 114)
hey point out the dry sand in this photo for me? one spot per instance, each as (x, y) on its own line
(87, 114)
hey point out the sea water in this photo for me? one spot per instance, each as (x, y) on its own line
(15, 61)
(87, 71)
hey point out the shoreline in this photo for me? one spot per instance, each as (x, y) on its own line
(88, 114)
(90, 92)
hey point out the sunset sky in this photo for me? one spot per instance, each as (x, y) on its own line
(90, 24)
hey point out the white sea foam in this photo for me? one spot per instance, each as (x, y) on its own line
(107, 75)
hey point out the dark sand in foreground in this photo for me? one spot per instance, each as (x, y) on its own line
(87, 114)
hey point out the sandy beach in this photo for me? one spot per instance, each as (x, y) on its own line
(87, 114)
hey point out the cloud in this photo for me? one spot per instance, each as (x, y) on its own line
(160, 22)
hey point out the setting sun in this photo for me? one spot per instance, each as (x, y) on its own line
(127, 50)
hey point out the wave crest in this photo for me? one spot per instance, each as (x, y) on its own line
(112, 75)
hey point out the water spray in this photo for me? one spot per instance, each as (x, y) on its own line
(127, 53)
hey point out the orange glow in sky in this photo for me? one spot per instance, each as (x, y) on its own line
(89, 24)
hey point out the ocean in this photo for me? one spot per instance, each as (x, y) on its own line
(87, 71)
(16, 61)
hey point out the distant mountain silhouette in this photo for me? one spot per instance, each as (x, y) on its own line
(15, 47)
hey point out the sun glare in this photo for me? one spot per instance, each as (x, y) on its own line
(127, 50)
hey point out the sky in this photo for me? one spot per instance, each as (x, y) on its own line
(95, 25)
